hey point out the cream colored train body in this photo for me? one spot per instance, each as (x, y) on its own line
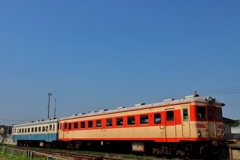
(190, 124)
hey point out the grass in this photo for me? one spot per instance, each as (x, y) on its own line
(95, 153)
(6, 157)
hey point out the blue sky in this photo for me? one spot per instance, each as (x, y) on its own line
(115, 53)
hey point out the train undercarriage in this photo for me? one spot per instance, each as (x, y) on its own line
(184, 149)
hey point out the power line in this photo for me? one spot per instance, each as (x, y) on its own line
(232, 90)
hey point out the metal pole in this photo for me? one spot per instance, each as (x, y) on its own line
(49, 94)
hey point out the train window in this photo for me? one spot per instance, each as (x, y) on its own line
(201, 113)
(35, 129)
(32, 129)
(39, 129)
(170, 115)
(109, 122)
(54, 127)
(65, 125)
(69, 126)
(210, 114)
(119, 121)
(22, 130)
(144, 119)
(46, 128)
(28, 130)
(90, 124)
(43, 129)
(157, 118)
(98, 123)
(218, 113)
(76, 125)
(131, 120)
(185, 114)
(82, 124)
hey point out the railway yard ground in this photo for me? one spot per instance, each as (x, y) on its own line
(43, 153)
(58, 154)
(230, 152)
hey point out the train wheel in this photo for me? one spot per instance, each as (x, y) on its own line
(48, 145)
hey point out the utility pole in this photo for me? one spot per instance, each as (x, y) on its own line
(49, 94)
(55, 109)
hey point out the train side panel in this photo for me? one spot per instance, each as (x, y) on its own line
(39, 131)
(176, 123)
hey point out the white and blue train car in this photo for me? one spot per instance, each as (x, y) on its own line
(42, 133)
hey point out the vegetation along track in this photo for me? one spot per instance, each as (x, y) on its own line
(77, 156)
(81, 155)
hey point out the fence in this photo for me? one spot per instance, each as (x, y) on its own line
(18, 153)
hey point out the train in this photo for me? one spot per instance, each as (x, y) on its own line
(179, 127)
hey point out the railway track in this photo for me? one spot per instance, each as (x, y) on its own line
(34, 152)
(75, 156)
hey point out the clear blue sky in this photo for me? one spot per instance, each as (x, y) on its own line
(115, 53)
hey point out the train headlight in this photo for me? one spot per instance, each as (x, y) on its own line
(199, 133)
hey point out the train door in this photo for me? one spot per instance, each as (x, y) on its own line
(170, 127)
(211, 123)
(64, 128)
(47, 132)
(185, 122)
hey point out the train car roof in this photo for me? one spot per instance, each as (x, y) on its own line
(192, 98)
(38, 122)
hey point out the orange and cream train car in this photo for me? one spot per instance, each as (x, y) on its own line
(173, 127)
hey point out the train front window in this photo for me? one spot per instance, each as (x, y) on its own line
(210, 114)
(201, 113)
(219, 114)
